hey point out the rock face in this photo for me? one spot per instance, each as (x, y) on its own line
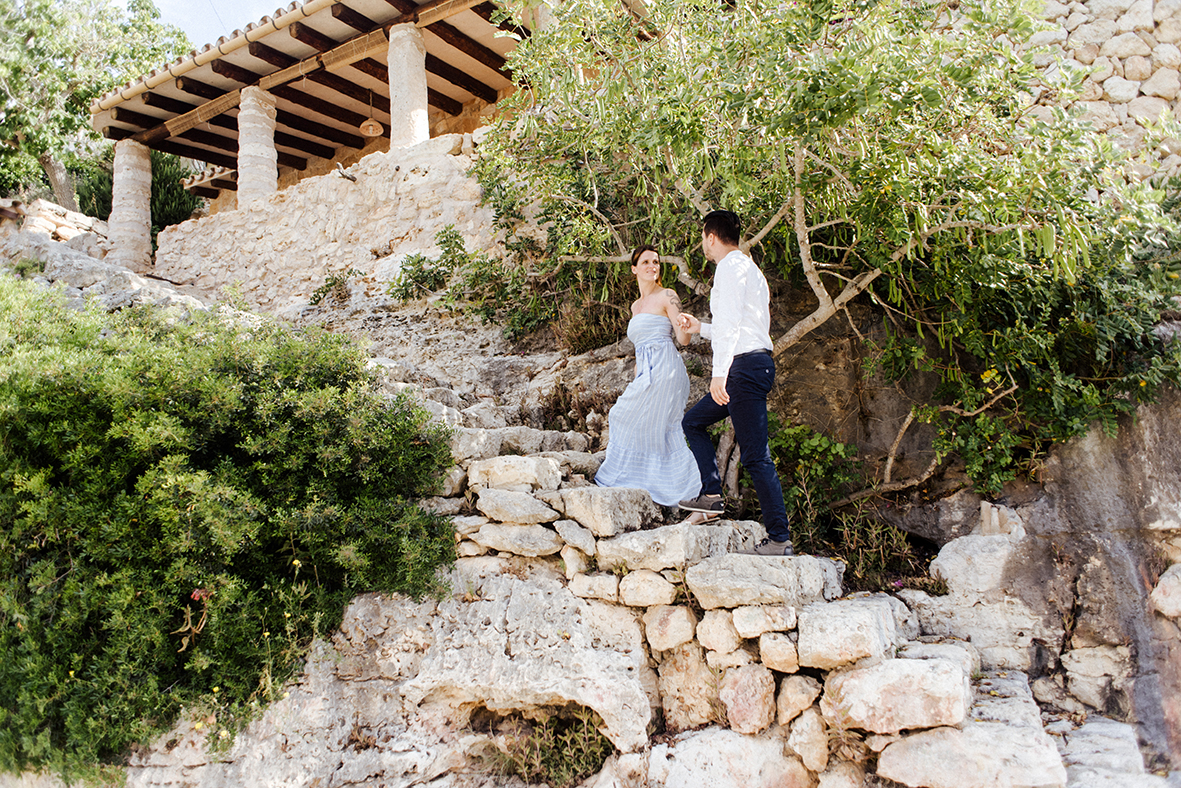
(83, 277)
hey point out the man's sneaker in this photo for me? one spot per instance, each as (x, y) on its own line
(770, 547)
(704, 503)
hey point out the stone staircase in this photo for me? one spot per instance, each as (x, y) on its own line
(763, 647)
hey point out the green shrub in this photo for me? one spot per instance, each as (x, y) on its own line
(560, 750)
(184, 504)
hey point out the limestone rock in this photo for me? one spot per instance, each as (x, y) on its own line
(809, 739)
(523, 474)
(1095, 674)
(748, 695)
(601, 585)
(1148, 108)
(484, 415)
(1002, 743)
(1098, 32)
(468, 525)
(796, 693)
(844, 774)
(1104, 753)
(535, 644)
(530, 540)
(737, 580)
(520, 439)
(508, 506)
(1165, 9)
(979, 756)
(973, 565)
(688, 688)
(1124, 46)
(1166, 56)
(576, 562)
(778, 652)
(1086, 53)
(750, 621)
(669, 626)
(673, 546)
(897, 695)
(1166, 597)
(1108, 9)
(734, 659)
(839, 633)
(960, 652)
(1118, 90)
(1137, 68)
(472, 444)
(1168, 31)
(576, 536)
(469, 549)
(1137, 17)
(645, 588)
(717, 633)
(454, 482)
(718, 758)
(608, 511)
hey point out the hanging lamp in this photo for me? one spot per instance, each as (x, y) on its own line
(369, 126)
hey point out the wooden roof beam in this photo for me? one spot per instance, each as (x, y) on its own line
(290, 119)
(229, 122)
(454, 38)
(434, 65)
(317, 40)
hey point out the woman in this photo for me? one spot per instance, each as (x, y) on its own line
(646, 447)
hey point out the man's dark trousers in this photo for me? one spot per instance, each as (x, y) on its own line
(749, 382)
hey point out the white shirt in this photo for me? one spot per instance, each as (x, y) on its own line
(740, 304)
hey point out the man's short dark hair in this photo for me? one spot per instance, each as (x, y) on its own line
(723, 224)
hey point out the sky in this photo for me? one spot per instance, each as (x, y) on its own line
(206, 20)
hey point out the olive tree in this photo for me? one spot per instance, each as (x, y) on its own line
(905, 153)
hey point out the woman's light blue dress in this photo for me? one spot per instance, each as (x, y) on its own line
(646, 447)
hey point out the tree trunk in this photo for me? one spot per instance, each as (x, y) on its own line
(61, 181)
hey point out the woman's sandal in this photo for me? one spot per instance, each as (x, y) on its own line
(700, 518)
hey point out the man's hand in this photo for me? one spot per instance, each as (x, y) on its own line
(717, 390)
(690, 324)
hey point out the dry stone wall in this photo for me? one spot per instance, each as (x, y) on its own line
(278, 250)
(1129, 50)
(761, 670)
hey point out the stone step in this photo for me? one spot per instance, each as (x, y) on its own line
(1103, 753)
(1001, 742)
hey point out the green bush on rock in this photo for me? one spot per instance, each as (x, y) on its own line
(184, 504)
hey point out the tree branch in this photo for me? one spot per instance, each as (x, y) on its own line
(606, 222)
(770, 225)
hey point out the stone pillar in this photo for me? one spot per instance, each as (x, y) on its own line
(408, 108)
(130, 225)
(258, 169)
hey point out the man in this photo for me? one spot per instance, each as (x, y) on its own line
(743, 374)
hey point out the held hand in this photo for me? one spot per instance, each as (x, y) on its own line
(717, 390)
(690, 324)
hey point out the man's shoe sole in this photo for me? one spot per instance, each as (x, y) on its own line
(693, 506)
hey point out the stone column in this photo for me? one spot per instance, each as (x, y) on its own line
(408, 108)
(130, 225)
(258, 169)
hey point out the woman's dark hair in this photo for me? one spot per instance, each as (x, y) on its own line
(639, 250)
(723, 224)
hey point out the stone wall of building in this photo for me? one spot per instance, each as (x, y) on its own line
(367, 217)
